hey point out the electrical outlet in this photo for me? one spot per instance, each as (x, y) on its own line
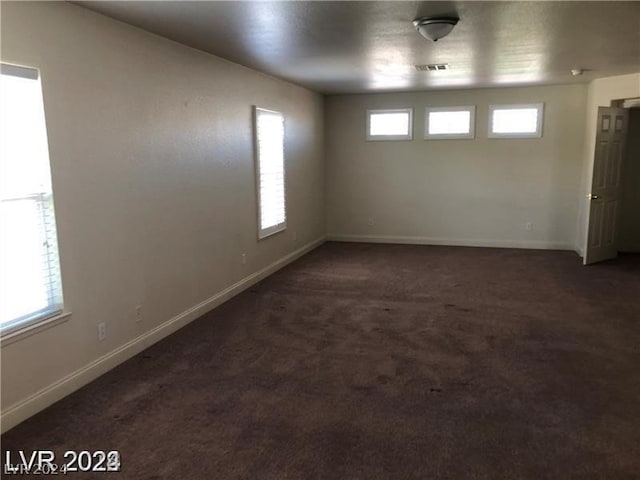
(139, 313)
(528, 226)
(370, 221)
(244, 258)
(102, 331)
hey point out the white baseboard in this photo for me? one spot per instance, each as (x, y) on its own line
(40, 400)
(531, 244)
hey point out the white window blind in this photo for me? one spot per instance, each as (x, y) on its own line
(269, 130)
(30, 287)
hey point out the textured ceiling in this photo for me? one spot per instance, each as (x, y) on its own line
(353, 47)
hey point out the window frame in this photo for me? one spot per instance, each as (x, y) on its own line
(539, 124)
(451, 136)
(280, 227)
(53, 313)
(384, 138)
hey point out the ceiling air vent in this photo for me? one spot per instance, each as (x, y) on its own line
(432, 67)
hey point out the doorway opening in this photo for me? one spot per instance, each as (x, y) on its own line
(629, 224)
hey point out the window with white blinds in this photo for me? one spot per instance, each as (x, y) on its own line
(30, 287)
(269, 131)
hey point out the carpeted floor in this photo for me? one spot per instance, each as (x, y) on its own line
(382, 361)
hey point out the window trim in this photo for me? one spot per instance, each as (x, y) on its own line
(451, 136)
(23, 331)
(280, 227)
(383, 138)
(54, 313)
(537, 134)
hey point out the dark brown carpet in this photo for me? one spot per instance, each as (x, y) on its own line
(382, 361)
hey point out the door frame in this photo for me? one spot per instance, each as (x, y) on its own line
(604, 194)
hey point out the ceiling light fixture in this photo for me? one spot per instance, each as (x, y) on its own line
(435, 28)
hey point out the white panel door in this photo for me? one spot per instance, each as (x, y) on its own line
(606, 185)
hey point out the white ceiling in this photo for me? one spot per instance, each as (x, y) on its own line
(354, 47)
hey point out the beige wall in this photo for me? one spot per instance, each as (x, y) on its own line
(630, 213)
(600, 94)
(152, 165)
(466, 192)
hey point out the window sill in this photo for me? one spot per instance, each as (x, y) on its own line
(389, 138)
(533, 135)
(449, 136)
(267, 232)
(27, 331)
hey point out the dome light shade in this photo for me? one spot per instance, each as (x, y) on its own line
(435, 28)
